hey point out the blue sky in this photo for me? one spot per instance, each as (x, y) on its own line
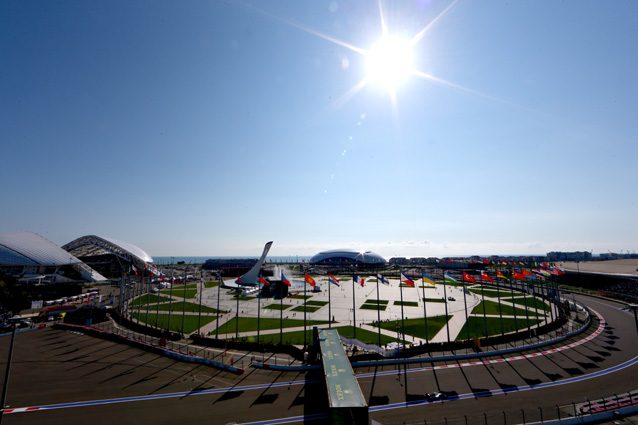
(207, 128)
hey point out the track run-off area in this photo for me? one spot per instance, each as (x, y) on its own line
(59, 377)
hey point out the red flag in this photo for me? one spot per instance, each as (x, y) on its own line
(528, 273)
(486, 277)
(263, 281)
(309, 280)
(518, 276)
(468, 278)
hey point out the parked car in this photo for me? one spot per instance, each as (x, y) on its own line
(451, 299)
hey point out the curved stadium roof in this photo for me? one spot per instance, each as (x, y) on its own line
(29, 249)
(347, 256)
(92, 245)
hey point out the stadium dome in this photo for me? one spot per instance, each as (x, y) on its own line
(29, 249)
(348, 257)
(91, 245)
(26, 253)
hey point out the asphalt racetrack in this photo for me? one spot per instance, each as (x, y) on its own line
(61, 377)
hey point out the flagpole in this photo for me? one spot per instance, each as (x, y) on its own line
(305, 285)
(139, 301)
(500, 309)
(425, 313)
(512, 300)
(281, 312)
(402, 317)
(219, 287)
(467, 325)
(529, 327)
(237, 313)
(147, 304)
(258, 309)
(484, 312)
(329, 305)
(201, 293)
(183, 299)
(538, 321)
(447, 318)
(157, 307)
(170, 301)
(378, 314)
(354, 313)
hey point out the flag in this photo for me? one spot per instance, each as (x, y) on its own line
(284, 280)
(449, 279)
(333, 280)
(468, 278)
(407, 280)
(527, 272)
(309, 280)
(556, 271)
(501, 276)
(356, 279)
(518, 276)
(428, 279)
(263, 281)
(486, 277)
(382, 279)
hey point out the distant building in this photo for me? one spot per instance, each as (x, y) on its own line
(569, 256)
(347, 257)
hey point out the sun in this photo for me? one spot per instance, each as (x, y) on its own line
(389, 62)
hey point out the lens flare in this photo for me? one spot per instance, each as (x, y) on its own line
(389, 62)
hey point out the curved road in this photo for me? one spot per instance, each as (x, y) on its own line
(65, 377)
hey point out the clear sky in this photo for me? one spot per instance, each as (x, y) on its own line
(210, 127)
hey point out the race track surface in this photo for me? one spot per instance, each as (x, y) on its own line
(63, 377)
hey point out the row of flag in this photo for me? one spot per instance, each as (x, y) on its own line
(522, 275)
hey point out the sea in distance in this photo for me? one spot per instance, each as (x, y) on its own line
(201, 259)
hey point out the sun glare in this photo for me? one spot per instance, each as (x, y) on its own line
(389, 62)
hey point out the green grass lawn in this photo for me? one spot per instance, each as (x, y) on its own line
(434, 300)
(531, 303)
(278, 306)
(180, 292)
(367, 306)
(407, 303)
(476, 327)
(492, 307)
(375, 301)
(317, 303)
(211, 284)
(416, 326)
(249, 324)
(503, 293)
(188, 307)
(299, 297)
(308, 308)
(149, 298)
(190, 322)
(296, 338)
